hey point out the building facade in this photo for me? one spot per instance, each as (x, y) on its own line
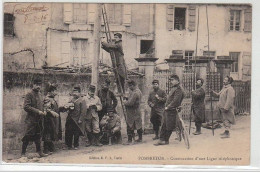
(61, 35)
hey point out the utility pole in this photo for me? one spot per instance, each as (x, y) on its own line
(96, 45)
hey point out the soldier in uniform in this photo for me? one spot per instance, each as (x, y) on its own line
(198, 105)
(111, 128)
(74, 127)
(93, 104)
(226, 105)
(52, 121)
(33, 105)
(117, 48)
(172, 104)
(107, 98)
(133, 118)
(156, 100)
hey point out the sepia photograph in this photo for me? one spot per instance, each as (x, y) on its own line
(126, 83)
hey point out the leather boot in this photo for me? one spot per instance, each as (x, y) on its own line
(97, 142)
(140, 137)
(198, 131)
(226, 134)
(156, 135)
(129, 141)
(89, 141)
(41, 154)
(160, 142)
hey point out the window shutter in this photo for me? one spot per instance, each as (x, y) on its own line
(169, 17)
(127, 14)
(246, 69)
(65, 50)
(248, 20)
(91, 13)
(68, 13)
(192, 17)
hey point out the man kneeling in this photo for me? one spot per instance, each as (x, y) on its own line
(111, 126)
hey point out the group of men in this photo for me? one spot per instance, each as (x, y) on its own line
(95, 116)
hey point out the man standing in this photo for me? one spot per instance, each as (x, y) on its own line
(117, 48)
(107, 98)
(173, 101)
(92, 121)
(52, 121)
(33, 105)
(156, 101)
(133, 118)
(226, 105)
(198, 105)
(74, 127)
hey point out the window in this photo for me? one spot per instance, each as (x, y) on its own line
(234, 56)
(188, 56)
(80, 13)
(179, 18)
(8, 24)
(115, 13)
(79, 47)
(210, 54)
(234, 20)
(146, 46)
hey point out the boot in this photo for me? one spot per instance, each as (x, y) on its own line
(226, 134)
(41, 154)
(140, 137)
(129, 141)
(198, 131)
(160, 142)
(89, 141)
(156, 135)
(97, 142)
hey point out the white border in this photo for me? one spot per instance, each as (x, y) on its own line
(255, 109)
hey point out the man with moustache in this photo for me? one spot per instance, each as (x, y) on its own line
(198, 105)
(226, 105)
(107, 98)
(33, 105)
(156, 100)
(172, 104)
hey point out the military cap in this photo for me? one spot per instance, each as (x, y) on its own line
(118, 34)
(155, 81)
(92, 88)
(174, 76)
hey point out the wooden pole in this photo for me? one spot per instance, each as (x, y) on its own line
(96, 45)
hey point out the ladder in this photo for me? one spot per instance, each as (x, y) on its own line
(113, 59)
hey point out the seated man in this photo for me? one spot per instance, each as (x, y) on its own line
(111, 126)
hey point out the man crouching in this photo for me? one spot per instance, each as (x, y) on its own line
(111, 128)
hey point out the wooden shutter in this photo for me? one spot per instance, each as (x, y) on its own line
(248, 20)
(127, 10)
(192, 17)
(91, 13)
(65, 50)
(246, 69)
(169, 17)
(68, 13)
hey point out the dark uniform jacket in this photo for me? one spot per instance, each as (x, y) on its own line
(133, 110)
(173, 101)
(52, 124)
(33, 103)
(198, 105)
(108, 100)
(157, 105)
(119, 55)
(77, 112)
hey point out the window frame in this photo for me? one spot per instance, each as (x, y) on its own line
(80, 15)
(210, 51)
(234, 20)
(234, 63)
(11, 22)
(80, 57)
(185, 18)
(187, 62)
